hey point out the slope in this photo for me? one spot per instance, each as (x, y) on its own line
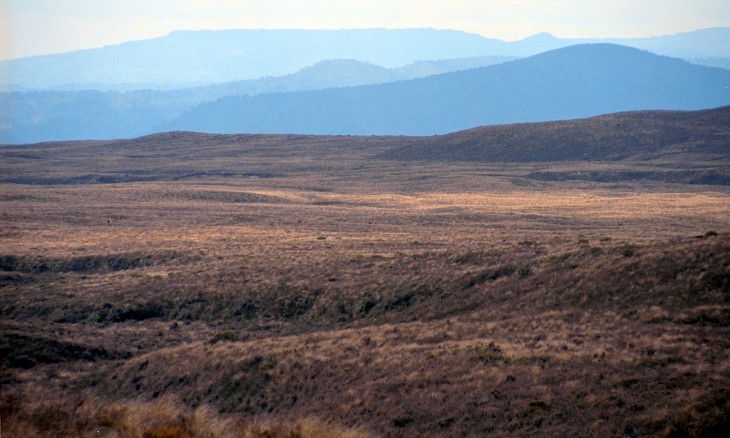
(638, 135)
(669, 146)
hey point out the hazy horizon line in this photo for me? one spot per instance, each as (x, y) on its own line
(315, 29)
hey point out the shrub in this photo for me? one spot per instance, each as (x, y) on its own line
(538, 405)
(225, 335)
(524, 271)
(627, 250)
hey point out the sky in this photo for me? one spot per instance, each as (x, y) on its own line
(35, 27)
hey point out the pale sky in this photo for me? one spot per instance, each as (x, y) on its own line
(33, 27)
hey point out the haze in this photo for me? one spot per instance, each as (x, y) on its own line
(35, 27)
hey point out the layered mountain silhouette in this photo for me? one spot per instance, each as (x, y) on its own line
(573, 82)
(33, 116)
(698, 45)
(186, 58)
(330, 74)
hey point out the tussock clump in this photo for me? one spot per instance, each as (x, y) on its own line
(225, 335)
(164, 418)
(308, 428)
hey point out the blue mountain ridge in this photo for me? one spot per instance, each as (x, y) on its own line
(189, 58)
(573, 82)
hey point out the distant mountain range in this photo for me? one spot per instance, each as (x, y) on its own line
(338, 73)
(33, 116)
(701, 44)
(326, 95)
(573, 82)
(188, 58)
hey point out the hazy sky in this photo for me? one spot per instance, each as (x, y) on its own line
(31, 27)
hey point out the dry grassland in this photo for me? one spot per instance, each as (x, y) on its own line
(377, 299)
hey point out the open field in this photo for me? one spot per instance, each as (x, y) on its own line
(285, 293)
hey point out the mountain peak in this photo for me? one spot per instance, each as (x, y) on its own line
(542, 36)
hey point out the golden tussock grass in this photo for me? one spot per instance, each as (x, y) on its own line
(402, 300)
(164, 418)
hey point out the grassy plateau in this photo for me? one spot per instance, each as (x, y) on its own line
(189, 285)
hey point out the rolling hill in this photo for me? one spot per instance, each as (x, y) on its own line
(345, 297)
(573, 82)
(669, 146)
(637, 135)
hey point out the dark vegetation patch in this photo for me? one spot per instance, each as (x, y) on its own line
(25, 351)
(708, 177)
(402, 299)
(488, 275)
(223, 196)
(713, 317)
(85, 264)
(79, 179)
(138, 312)
(141, 175)
(8, 278)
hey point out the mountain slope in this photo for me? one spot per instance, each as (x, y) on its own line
(574, 82)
